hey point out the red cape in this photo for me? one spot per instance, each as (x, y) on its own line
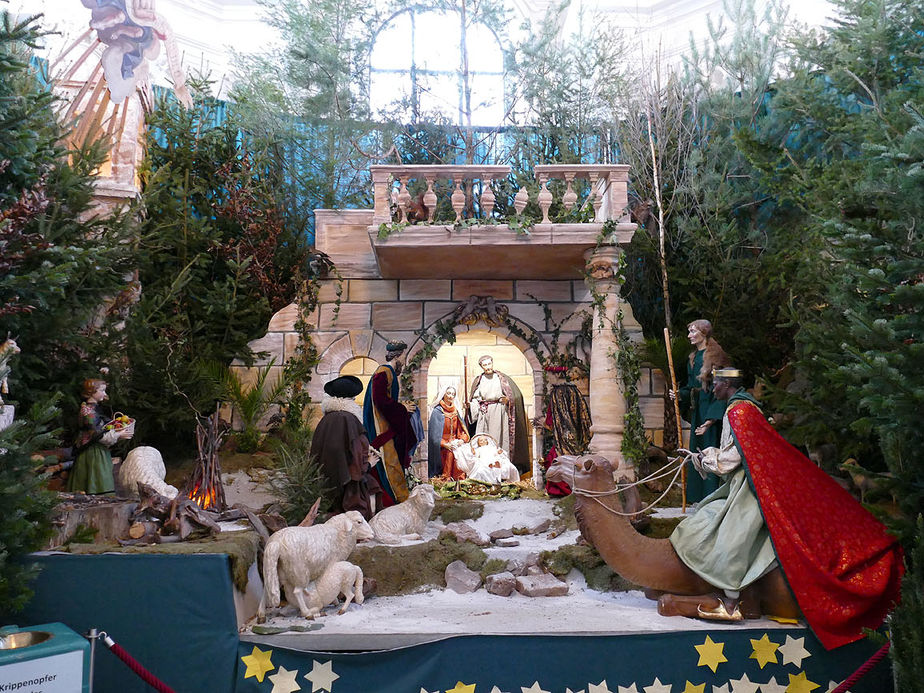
(843, 567)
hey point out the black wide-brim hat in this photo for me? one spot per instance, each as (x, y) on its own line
(344, 386)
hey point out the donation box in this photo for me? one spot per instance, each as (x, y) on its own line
(50, 658)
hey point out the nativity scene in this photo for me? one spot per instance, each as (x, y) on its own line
(359, 368)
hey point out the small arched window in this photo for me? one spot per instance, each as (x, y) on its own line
(417, 69)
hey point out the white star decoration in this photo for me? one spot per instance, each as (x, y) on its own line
(568, 690)
(533, 689)
(658, 687)
(493, 690)
(424, 690)
(322, 676)
(284, 681)
(627, 689)
(794, 651)
(834, 684)
(598, 687)
(772, 686)
(743, 685)
(721, 689)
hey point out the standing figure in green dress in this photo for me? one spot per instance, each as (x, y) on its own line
(703, 410)
(92, 470)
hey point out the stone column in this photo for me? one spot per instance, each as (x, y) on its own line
(607, 401)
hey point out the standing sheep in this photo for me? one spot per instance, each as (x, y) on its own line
(294, 556)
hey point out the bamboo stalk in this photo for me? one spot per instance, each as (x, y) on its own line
(673, 377)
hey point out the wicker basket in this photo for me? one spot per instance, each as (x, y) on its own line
(116, 425)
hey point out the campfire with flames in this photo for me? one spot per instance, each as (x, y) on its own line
(205, 487)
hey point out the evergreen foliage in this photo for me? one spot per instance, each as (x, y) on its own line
(60, 266)
(25, 505)
(215, 260)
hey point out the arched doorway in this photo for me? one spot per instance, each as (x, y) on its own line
(446, 368)
(363, 368)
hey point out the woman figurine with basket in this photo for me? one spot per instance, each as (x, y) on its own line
(92, 470)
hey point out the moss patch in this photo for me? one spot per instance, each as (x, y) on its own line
(585, 558)
(240, 546)
(493, 566)
(456, 510)
(407, 569)
(661, 527)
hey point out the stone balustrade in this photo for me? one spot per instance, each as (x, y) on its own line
(607, 190)
(385, 192)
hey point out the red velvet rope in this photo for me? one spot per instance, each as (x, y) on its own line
(863, 670)
(135, 666)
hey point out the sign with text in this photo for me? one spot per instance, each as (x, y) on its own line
(61, 673)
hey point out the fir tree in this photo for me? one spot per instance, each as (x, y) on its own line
(59, 264)
(851, 159)
(215, 261)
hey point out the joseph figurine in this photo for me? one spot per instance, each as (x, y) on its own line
(497, 409)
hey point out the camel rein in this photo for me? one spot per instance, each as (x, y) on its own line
(673, 468)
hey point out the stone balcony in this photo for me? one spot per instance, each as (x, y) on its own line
(463, 248)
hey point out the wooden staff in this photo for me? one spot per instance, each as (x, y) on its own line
(465, 387)
(670, 367)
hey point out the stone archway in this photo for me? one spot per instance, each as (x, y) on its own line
(525, 348)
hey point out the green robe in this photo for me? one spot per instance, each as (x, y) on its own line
(92, 470)
(700, 405)
(726, 541)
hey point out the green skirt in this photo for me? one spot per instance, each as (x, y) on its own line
(92, 471)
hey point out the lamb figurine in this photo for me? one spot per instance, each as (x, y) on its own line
(294, 556)
(407, 520)
(144, 464)
(341, 577)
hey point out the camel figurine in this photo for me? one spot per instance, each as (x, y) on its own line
(653, 563)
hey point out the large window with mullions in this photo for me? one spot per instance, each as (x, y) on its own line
(417, 69)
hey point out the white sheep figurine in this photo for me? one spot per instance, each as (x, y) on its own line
(341, 577)
(407, 520)
(144, 464)
(294, 556)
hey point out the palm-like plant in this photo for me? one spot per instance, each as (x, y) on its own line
(250, 402)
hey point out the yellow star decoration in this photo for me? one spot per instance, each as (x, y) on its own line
(710, 654)
(800, 684)
(462, 688)
(693, 688)
(764, 651)
(258, 663)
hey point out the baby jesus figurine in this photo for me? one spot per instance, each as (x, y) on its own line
(482, 460)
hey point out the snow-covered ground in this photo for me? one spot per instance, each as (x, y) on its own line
(436, 613)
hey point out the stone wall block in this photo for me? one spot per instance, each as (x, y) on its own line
(335, 356)
(352, 316)
(371, 290)
(435, 310)
(425, 289)
(361, 341)
(284, 320)
(502, 290)
(581, 291)
(272, 344)
(658, 381)
(543, 290)
(530, 313)
(652, 411)
(569, 315)
(397, 316)
(327, 290)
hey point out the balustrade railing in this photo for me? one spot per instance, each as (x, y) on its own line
(606, 191)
